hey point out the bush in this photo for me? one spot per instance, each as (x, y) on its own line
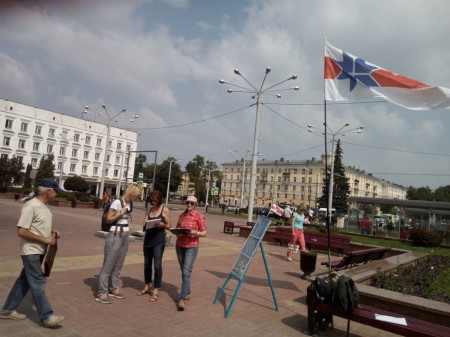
(85, 198)
(76, 183)
(426, 237)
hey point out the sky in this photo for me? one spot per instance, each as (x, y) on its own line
(162, 60)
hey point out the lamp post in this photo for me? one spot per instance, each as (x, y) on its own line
(243, 155)
(110, 118)
(168, 180)
(256, 94)
(209, 170)
(61, 171)
(120, 175)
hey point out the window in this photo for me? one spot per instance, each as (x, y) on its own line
(86, 155)
(36, 146)
(38, 130)
(303, 179)
(76, 137)
(51, 132)
(87, 140)
(74, 153)
(295, 179)
(119, 146)
(8, 124)
(34, 162)
(117, 160)
(97, 156)
(20, 159)
(95, 170)
(24, 127)
(62, 150)
(4, 156)
(49, 148)
(59, 166)
(6, 141)
(21, 143)
(99, 142)
(116, 173)
(106, 172)
(84, 169)
(73, 167)
(108, 157)
(309, 180)
(128, 147)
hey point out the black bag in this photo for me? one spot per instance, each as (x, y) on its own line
(345, 294)
(105, 225)
(320, 291)
(323, 289)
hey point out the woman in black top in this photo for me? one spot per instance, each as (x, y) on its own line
(154, 244)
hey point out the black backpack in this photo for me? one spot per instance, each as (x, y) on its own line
(105, 225)
(345, 294)
(320, 291)
(322, 287)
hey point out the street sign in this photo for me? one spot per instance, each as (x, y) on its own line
(141, 175)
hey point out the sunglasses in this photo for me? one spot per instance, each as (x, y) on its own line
(190, 203)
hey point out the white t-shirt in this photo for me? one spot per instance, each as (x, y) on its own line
(36, 217)
(117, 205)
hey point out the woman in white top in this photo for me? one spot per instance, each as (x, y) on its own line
(116, 245)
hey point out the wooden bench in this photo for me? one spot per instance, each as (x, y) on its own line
(340, 243)
(357, 257)
(366, 315)
(229, 226)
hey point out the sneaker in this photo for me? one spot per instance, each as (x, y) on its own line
(181, 305)
(289, 259)
(103, 298)
(53, 321)
(116, 293)
(188, 297)
(12, 315)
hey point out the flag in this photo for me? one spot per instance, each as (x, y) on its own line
(348, 77)
(276, 210)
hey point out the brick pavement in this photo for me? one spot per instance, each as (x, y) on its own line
(73, 281)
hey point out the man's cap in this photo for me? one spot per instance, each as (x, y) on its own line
(191, 198)
(50, 183)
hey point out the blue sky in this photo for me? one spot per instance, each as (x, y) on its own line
(162, 60)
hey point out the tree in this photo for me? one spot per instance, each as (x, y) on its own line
(442, 193)
(341, 186)
(76, 184)
(27, 179)
(45, 169)
(10, 172)
(162, 171)
(198, 170)
(421, 193)
(140, 165)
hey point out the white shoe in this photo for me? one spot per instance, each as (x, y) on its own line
(13, 315)
(53, 321)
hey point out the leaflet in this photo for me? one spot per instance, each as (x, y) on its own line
(152, 223)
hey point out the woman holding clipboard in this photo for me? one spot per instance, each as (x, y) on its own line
(156, 221)
(187, 246)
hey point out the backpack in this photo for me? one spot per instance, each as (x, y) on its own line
(320, 291)
(322, 287)
(345, 294)
(105, 225)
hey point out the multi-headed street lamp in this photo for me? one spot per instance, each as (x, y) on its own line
(110, 118)
(256, 94)
(209, 170)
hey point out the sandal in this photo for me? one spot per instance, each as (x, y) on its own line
(154, 296)
(143, 292)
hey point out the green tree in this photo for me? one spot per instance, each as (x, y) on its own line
(45, 169)
(162, 172)
(341, 186)
(198, 170)
(442, 193)
(141, 165)
(421, 193)
(27, 179)
(76, 184)
(10, 172)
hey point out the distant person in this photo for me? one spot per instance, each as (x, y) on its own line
(223, 208)
(105, 199)
(187, 246)
(287, 214)
(297, 221)
(154, 244)
(366, 224)
(36, 232)
(379, 231)
(147, 201)
(116, 245)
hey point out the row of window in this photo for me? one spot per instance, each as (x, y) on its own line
(52, 133)
(294, 188)
(285, 179)
(272, 170)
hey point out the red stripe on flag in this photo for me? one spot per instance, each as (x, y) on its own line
(387, 79)
(331, 69)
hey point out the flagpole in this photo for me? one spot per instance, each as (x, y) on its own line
(327, 177)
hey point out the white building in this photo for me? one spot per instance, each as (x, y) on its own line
(78, 145)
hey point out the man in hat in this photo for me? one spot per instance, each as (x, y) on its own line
(36, 233)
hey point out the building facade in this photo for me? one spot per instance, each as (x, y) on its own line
(295, 182)
(78, 145)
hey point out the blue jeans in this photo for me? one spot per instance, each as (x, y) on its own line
(155, 254)
(186, 259)
(31, 278)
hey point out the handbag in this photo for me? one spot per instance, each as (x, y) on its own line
(293, 248)
(50, 258)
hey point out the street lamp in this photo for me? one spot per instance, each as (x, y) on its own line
(111, 118)
(256, 94)
(61, 171)
(120, 175)
(168, 180)
(209, 170)
(243, 156)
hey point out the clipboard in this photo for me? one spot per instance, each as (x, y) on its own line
(177, 231)
(50, 258)
(152, 223)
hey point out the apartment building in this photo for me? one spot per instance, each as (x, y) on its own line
(78, 144)
(296, 182)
